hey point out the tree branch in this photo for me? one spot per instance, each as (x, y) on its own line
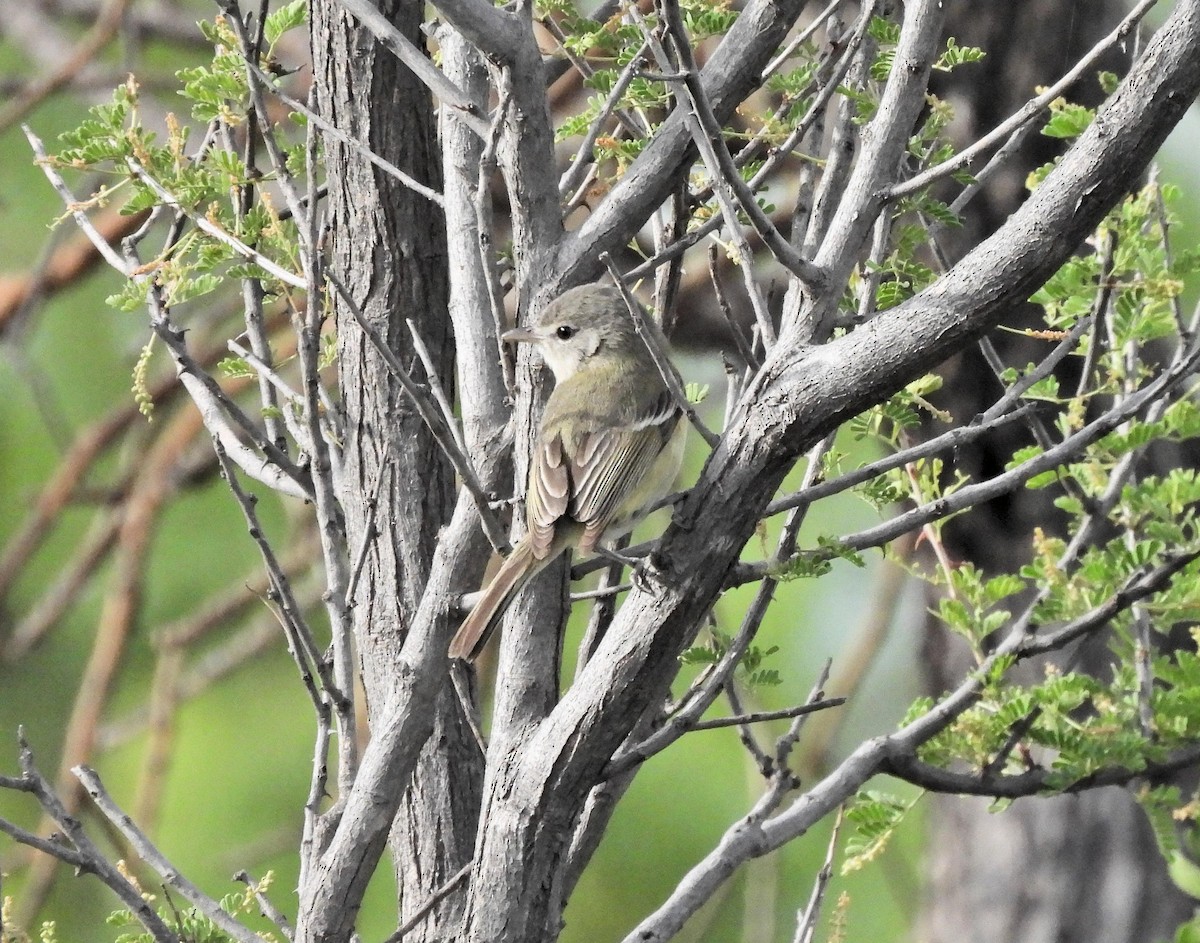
(998, 785)
(147, 851)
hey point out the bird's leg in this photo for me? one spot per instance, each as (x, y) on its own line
(616, 556)
(643, 574)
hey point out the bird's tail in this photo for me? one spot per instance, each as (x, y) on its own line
(473, 634)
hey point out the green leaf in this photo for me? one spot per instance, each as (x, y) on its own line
(699, 655)
(875, 816)
(696, 393)
(1184, 874)
(1067, 120)
(236, 367)
(285, 18)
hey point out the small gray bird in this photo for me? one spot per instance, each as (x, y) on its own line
(610, 444)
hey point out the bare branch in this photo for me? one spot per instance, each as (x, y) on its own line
(337, 133)
(205, 225)
(434, 899)
(758, 717)
(83, 854)
(111, 256)
(806, 925)
(269, 909)
(147, 851)
(728, 77)
(1019, 785)
(707, 134)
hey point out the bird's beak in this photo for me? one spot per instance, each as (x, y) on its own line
(518, 334)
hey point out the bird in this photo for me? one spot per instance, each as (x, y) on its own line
(609, 446)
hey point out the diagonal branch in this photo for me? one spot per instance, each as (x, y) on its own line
(149, 853)
(1030, 110)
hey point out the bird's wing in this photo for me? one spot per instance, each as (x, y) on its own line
(607, 465)
(548, 495)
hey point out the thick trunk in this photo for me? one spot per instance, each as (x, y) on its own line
(389, 248)
(1073, 869)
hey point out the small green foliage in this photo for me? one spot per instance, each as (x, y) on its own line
(702, 18)
(884, 31)
(817, 562)
(327, 355)
(956, 55)
(882, 492)
(236, 367)
(112, 142)
(191, 925)
(1073, 725)
(287, 17)
(1067, 120)
(1188, 932)
(795, 82)
(750, 671)
(141, 392)
(970, 606)
(696, 393)
(881, 68)
(889, 421)
(875, 817)
(1173, 822)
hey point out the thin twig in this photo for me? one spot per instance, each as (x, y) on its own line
(110, 254)
(806, 926)
(762, 761)
(735, 329)
(799, 39)
(369, 533)
(815, 111)
(271, 912)
(1005, 482)
(434, 899)
(651, 339)
(722, 188)
(84, 855)
(483, 226)
(301, 643)
(418, 62)
(149, 853)
(574, 177)
(435, 385)
(205, 225)
(721, 168)
(333, 131)
(758, 717)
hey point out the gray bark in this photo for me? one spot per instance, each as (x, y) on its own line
(389, 247)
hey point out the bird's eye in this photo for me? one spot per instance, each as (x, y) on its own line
(564, 332)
